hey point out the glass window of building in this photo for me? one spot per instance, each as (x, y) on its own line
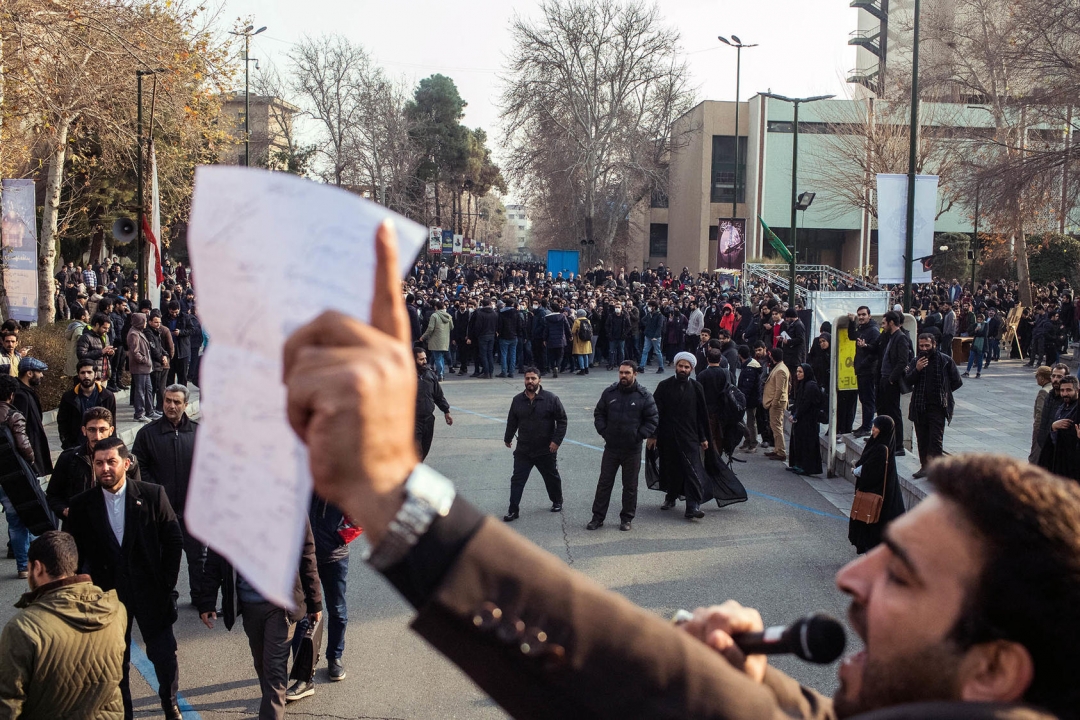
(658, 240)
(723, 169)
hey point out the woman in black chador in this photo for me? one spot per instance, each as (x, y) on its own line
(805, 452)
(876, 473)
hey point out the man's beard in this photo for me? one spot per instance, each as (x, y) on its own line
(86, 384)
(924, 676)
(681, 377)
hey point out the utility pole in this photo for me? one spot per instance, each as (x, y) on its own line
(247, 34)
(738, 45)
(795, 102)
(909, 234)
(975, 241)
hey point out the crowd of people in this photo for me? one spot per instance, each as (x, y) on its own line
(745, 364)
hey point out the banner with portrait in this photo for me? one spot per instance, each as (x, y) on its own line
(447, 242)
(434, 240)
(19, 244)
(730, 244)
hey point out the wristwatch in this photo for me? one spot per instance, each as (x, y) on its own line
(428, 496)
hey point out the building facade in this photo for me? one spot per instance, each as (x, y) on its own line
(680, 229)
(270, 125)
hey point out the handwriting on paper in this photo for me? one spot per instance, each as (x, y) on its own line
(270, 252)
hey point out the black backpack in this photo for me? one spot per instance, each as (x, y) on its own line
(734, 404)
(584, 331)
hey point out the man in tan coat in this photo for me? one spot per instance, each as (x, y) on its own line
(774, 398)
(61, 656)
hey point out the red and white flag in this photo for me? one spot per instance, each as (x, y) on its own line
(152, 231)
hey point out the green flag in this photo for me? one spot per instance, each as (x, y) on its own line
(777, 244)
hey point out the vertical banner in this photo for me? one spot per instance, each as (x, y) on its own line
(731, 244)
(459, 244)
(447, 242)
(434, 240)
(892, 226)
(19, 244)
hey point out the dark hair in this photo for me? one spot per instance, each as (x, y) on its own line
(173, 305)
(629, 363)
(1070, 380)
(113, 442)
(790, 313)
(8, 386)
(145, 304)
(417, 349)
(928, 336)
(1027, 523)
(530, 369)
(55, 550)
(99, 318)
(97, 413)
(715, 355)
(894, 317)
(1060, 366)
(863, 307)
(85, 362)
(759, 344)
(744, 351)
(153, 314)
(777, 354)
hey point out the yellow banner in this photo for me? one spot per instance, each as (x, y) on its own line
(845, 361)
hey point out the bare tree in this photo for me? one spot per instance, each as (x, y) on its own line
(870, 137)
(591, 93)
(325, 71)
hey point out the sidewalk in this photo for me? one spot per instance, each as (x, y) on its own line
(993, 415)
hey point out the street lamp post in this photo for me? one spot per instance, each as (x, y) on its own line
(975, 241)
(247, 34)
(795, 102)
(141, 208)
(913, 145)
(738, 45)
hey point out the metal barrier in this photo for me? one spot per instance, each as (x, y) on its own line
(778, 274)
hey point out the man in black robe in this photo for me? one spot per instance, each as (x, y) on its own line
(681, 436)
(1061, 454)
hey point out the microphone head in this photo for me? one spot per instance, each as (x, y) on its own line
(821, 639)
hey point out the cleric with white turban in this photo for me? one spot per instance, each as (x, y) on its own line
(688, 357)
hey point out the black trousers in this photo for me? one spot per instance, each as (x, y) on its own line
(157, 388)
(270, 633)
(554, 356)
(930, 434)
(425, 431)
(539, 354)
(845, 410)
(888, 403)
(547, 464)
(195, 552)
(868, 398)
(612, 461)
(161, 650)
(178, 371)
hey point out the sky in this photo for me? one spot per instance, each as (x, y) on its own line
(802, 43)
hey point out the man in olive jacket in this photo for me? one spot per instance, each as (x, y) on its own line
(625, 416)
(60, 655)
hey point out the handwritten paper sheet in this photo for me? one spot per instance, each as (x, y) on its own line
(270, 252)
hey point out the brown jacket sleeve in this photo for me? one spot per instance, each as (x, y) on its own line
(544, 641)
(17, 424)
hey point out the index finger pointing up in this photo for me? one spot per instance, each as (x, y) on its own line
(387, 305)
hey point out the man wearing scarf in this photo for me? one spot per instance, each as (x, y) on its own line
(933, 377)
(681, 435)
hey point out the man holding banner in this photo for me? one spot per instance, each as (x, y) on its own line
(864, 331)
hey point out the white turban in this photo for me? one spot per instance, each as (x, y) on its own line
(688, 357)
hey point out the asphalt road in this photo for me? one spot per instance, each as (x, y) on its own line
(778, 553)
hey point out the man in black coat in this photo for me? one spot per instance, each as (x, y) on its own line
(538, 419)
(165, 449)
(625, 416)
(429, 395)
(795, 345)
(179, 326)
(129, 540)
(87, 393)
(893, 347)
(269, 627)
(74, 471)
(26, 401)
(864, 331)
(933, 377)
(1061, 454)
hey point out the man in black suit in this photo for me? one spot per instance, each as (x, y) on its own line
(129, 540)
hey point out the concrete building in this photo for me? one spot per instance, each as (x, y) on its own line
(680, 230)
(270, 126)
(517, 231)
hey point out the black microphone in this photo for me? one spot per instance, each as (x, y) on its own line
(817, 638)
